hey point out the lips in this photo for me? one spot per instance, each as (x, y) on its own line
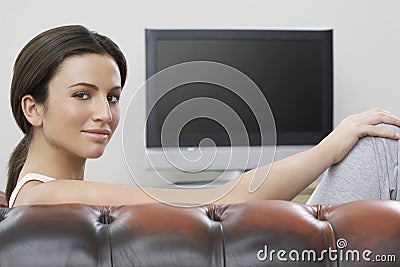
(99, 135)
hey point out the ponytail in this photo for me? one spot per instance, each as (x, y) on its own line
(16, 162)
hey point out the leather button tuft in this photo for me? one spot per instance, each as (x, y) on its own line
(106, 218)
(214, 212)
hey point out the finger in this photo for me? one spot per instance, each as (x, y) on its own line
(376, 117)
(377, 131)
(382, 111)
(391, 120)
(386, 112)
(377, 110)
(387, 118)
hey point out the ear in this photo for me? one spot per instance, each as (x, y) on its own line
(33, 111)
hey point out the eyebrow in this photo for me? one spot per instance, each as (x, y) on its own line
(93, 86)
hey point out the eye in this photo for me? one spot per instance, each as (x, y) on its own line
(82, 95)
(113, 98)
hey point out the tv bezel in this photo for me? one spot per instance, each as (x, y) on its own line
(283, 138)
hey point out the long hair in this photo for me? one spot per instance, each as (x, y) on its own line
(35, 66)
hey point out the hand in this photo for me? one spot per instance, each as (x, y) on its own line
(343, 138)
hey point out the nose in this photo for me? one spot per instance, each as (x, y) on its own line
(102, 111)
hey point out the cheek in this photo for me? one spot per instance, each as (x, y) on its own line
(115, 111)
(75, 114)
(66, 116)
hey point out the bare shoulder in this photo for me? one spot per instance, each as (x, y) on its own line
(24, 192)
(84, 192)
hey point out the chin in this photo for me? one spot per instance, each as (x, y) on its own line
(91, 151)
(94, 154)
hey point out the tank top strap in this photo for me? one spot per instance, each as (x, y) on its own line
(28, 177)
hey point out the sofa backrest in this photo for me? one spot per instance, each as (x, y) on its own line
(265, 233)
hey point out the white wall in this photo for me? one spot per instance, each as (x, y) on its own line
(366, 35)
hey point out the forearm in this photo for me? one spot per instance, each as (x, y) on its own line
(289, 176)
(286, 178)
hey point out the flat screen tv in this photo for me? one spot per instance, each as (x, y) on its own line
(292, 68)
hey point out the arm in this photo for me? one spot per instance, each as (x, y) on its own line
(286, 178)
(290, 176)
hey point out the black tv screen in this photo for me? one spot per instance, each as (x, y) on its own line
(292, 68)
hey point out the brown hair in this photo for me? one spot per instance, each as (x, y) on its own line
(34, 67)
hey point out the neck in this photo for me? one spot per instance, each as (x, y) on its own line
(47, 159)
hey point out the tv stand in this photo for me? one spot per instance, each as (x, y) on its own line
(215, 180)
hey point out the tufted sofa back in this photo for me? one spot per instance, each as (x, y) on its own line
(261, 233)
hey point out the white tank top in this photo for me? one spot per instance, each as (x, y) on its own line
(29, 177)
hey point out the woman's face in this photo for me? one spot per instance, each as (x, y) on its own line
(82, 110)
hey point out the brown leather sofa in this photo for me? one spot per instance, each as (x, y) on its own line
(265, 233)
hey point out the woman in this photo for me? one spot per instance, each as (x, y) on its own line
(64, 96)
